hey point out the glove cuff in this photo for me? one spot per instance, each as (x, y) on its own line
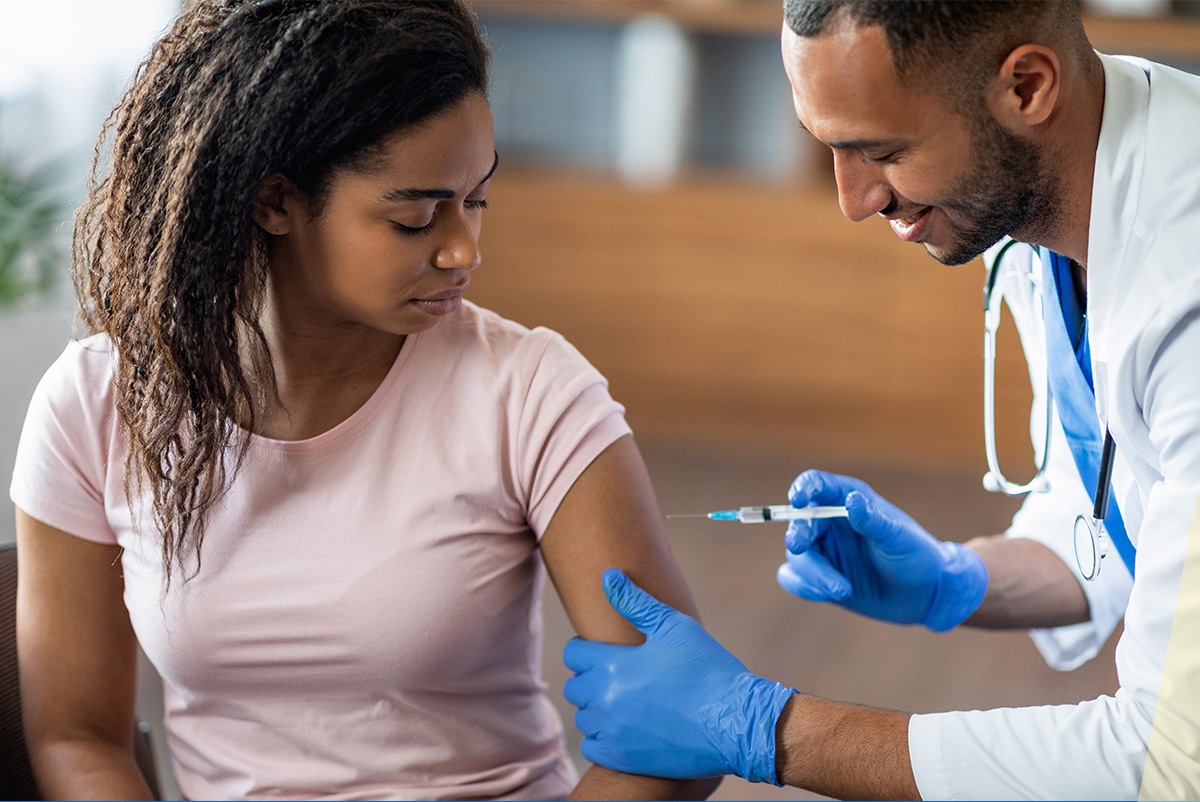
(961, 586)
(761, 702)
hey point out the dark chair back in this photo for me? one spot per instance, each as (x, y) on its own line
(16, 775)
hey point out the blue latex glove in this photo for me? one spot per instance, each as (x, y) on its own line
(679, 705)
(877, 561)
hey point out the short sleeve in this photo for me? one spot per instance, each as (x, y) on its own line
(567, 419)
(62, 460)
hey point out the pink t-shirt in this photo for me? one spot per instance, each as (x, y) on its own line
(366, 622)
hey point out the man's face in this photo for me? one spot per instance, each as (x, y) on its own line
(954, 184)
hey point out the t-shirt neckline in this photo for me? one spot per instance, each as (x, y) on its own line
(357, 419)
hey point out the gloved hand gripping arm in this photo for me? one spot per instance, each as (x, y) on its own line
(679, 705)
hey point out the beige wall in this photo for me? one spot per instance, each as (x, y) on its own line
(721, 309)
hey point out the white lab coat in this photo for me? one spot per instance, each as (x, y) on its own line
(1143, 302)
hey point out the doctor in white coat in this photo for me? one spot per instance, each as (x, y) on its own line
(964, 124)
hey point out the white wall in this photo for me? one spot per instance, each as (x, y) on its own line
(31, 339)
(63, 64)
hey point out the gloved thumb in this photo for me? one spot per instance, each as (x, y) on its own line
(638, 607)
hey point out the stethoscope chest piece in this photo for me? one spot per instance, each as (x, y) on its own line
(1091, 545)
(1091, 540)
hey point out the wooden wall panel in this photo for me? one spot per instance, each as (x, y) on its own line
(723, 310)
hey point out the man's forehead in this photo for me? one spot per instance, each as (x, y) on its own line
(857, 55)
(844, 85)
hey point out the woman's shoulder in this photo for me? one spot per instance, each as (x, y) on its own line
(482, 343)
(84, 370)
(474, 327)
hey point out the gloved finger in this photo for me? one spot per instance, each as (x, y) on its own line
(802, 535)
(889, 529)
(579, 654)
(811, 576)
(587, 721)
(579, 690)
(595, 749)
(638, 607)
(819, 487)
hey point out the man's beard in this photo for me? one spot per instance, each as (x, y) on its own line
(1009, 188)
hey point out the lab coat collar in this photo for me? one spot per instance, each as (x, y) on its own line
(1116, 185)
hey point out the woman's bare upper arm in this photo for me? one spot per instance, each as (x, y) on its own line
(77, 649)
(610, 519)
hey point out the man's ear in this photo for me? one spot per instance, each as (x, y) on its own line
(273, 204)
(1026, 88)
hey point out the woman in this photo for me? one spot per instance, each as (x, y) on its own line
(291, 462)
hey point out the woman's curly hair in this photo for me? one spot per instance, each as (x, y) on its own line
(167, 260)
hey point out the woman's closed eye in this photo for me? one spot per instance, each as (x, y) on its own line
(477, 204)
(413, 231)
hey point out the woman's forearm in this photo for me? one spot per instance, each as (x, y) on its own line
(601, 783)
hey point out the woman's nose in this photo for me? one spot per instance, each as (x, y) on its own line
(459, 248)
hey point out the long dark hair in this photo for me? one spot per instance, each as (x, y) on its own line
(167, 261)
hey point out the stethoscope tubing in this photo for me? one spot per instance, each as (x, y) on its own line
(1097, 533)
(993, 296)
(995, 480)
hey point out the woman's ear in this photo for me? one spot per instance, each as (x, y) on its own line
(1026, 89)
(271, 204)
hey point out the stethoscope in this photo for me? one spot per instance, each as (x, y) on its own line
(1091, 539)
(993, 302)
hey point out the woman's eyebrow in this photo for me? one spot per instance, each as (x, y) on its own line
(413, 193)
(416, 193)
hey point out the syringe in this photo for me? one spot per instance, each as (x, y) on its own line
(777, 512)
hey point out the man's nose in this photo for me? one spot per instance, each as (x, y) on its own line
(862, 192)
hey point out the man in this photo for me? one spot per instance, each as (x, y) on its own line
(964, 123)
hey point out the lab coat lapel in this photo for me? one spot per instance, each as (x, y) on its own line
(1116, 185)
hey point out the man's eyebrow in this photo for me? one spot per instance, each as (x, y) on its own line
(416, 193)
(854, 144)
(863, 144)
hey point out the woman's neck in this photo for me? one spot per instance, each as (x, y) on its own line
(322, 377)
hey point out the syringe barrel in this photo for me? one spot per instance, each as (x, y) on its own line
(784, 512)
(753, 515)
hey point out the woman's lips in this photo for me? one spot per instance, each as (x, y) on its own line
(912, 228)
(441, 304)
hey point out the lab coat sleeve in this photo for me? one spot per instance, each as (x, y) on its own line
(1098, 749)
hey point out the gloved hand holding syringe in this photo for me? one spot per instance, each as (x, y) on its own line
(777, 512)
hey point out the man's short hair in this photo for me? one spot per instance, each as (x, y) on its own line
(955, 45)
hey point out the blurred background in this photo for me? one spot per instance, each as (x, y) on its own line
(658, 205)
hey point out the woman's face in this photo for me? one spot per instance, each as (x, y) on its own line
(394, 246)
